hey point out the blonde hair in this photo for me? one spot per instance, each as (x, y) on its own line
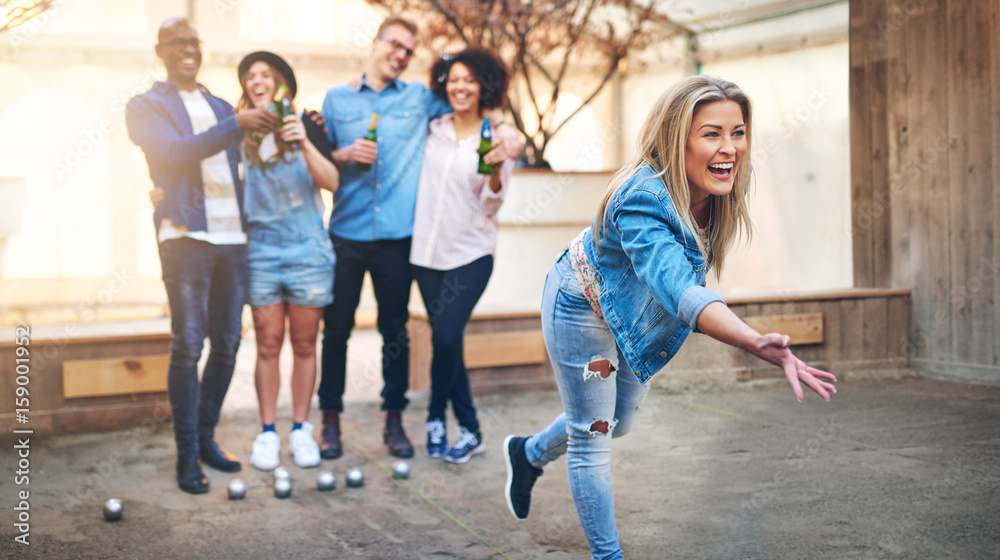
(662, 144)
(251, 142)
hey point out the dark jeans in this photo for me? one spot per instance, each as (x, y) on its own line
(449, 296)
(388, 262)
(206, 287)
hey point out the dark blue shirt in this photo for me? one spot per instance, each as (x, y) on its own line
(158, 123)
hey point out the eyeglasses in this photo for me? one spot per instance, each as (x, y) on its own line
(178, 43)
(396, 45)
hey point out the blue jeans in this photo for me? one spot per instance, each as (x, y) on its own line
(206, 287)
(597, 408)
(388, 262)
(449, 296)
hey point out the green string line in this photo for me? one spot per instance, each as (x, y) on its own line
(423, 496)
(822, 435)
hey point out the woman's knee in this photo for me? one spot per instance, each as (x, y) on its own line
(268, 347)
(304, 347)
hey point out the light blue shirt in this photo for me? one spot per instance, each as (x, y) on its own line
(379, 203)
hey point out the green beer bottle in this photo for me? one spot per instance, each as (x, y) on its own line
(281, 105)
(485, 145)
(372, 136)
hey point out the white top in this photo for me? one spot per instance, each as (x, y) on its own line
(456, 217)
(222, 210)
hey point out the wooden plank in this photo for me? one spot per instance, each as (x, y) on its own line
(851, 330)
(994, 41)
(875, 318)
(934, 165)
(804, 328)
(115, 376)
(960, 64)
(978, 176)
(826, 295)
(504, 349)
(899, 200)
(861, 147)
(897, 331)
(880, 256)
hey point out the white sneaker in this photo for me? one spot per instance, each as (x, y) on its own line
(305, 451)
(264, 454)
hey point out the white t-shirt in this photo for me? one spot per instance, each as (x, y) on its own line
(222, 210)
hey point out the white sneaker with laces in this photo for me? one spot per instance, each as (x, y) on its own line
(264, 454)
(305, 451)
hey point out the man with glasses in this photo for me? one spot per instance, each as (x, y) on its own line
(190, 139)
(372, 220)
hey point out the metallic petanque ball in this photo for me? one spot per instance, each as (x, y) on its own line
(281, 473)
(282, 488)
(113, 510)
(401, 469)
(355, 478)
(325, 481)
(237, 489)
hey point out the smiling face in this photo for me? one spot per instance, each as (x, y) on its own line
(259, 84)
(180, 50)
(463, 89)
(715, 147)
(391, 53)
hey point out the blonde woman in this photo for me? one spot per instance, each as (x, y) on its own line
(621, 299)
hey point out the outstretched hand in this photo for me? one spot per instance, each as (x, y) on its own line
(774, 348)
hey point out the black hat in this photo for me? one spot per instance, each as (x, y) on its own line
(275, 61)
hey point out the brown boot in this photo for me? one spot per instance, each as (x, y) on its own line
(329, 445)
(394, 437)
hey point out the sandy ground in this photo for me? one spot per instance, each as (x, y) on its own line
(900, 468)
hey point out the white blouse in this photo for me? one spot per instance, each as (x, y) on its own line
(456, 217)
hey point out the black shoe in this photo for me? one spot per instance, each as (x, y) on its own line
(213, 455)
(329, 443)
(394, 437)
(521, 476)
(189, 476)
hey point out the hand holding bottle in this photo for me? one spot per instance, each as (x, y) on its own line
(292, 130)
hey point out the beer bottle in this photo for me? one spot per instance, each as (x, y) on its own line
(372, 135)
(281, 105)
(485, 145)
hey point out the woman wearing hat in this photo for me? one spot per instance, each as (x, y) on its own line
(290, 255)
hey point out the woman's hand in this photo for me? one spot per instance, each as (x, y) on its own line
(774, 348)
(292, 130)
(719, 322)
(499, 152)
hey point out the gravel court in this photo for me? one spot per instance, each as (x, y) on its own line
(892, 468)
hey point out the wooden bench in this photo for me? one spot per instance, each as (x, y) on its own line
(91, 377)
(504, 352)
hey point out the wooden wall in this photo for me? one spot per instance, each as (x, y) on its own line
(925, 172)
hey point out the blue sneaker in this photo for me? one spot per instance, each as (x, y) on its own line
(437, 439)
(468, 444)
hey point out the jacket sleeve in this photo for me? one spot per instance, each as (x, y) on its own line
(649, 230)
(150, 128)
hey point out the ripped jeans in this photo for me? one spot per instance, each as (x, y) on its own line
(600, 396)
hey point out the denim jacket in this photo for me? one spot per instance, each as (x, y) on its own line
(158, 123)
(650, 272)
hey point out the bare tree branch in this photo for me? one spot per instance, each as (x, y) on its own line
(14, 13)
(541, 41)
